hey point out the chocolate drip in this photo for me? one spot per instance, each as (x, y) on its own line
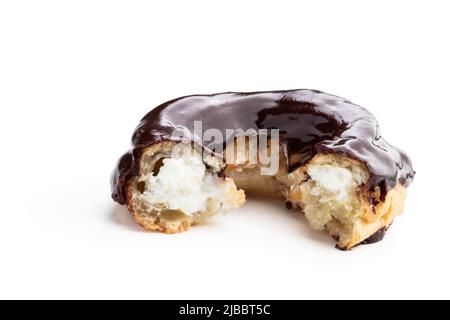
(376, 237)
(309, 122)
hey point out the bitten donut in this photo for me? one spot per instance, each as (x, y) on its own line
(332, 164)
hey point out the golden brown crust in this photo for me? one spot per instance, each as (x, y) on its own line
(376, 218)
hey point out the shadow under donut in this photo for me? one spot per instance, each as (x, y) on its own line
(120, 216)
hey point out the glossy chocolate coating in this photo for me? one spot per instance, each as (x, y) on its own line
(376, 237)
(310, 122)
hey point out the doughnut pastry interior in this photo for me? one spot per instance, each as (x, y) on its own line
(177, 187)
(331, 163)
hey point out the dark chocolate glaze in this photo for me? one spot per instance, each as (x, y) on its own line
(310, 122)
(377, 236)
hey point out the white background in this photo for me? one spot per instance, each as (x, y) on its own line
(77, 76)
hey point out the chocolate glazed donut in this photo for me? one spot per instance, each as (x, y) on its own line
(334, 165)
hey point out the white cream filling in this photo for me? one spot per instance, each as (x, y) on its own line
(337, 181)
(184, 184)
